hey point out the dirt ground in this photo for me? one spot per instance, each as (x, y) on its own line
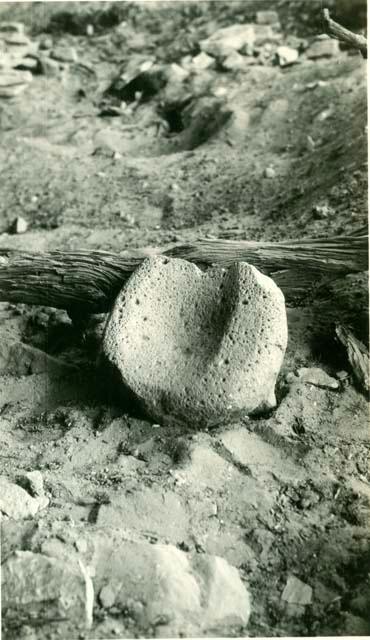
(286, 494)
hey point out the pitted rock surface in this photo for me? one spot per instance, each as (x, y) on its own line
(198, 347)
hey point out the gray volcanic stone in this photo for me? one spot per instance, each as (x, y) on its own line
(198, 347)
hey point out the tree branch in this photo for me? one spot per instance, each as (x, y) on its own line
(89, 281)
(341, 33)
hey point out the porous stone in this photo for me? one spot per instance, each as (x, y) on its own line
(198, 347)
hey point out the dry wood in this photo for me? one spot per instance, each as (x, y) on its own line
(341, 33)
(88, 281)
(358, 356)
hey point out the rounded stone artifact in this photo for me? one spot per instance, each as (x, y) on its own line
(199, 348)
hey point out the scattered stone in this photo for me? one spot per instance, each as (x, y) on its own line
(342, 375)
(35, 586)
(315, 84)
(27, 64)
(286, 56)
(64, 54)
(199, 348)
(161, 585)
(203, 61)
(45, 42)
(326, 48)
(81, 545)
(16, 503)
(49, 67)
(19, 359)
(267, 17)
(33, 482)
(16, 39)
(107, 596)
(321, 211)
(90, 30)
(13, 82)
(11, 27)
(269, 172)
(234, 38)
(234, 62)
(314, 376)
(325, 114)
(176, 73)
(311, 144)
(297, 592)
(19, 225)
(139, 85)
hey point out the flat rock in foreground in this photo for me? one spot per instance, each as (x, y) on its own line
(175, 592)
(37, 589)
(198, 347)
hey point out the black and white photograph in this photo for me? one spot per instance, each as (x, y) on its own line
(184, 319)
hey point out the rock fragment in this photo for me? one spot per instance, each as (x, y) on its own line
(13, 82)
(297, 592)
(269, 172)
(203, 61)
(49, 67)
(27, 64)
(195, 347)
(16, 503)
(11, 27)
(236, 37)
(267, 17)
(19, 359)
(286, 56)
(19, 225)
(64, 54)
(315, 376)
(234, 62)
(33, 482)
(35, 586)
(323, 48)
(161, 586)
(17, 38)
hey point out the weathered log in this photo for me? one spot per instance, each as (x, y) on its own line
(338, 32)
(358, 356)
(89, 281)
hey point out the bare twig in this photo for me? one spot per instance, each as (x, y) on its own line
(336, 30)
